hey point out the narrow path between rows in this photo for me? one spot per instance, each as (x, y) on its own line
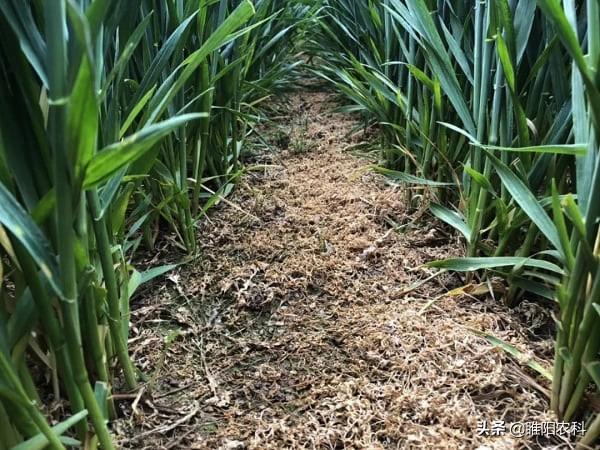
(294, 329)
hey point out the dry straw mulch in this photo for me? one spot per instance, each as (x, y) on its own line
(295, 328)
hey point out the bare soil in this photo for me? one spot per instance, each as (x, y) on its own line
(300, 326)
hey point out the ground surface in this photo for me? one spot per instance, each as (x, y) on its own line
(298, 328)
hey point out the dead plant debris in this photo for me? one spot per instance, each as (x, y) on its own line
(299, 327)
